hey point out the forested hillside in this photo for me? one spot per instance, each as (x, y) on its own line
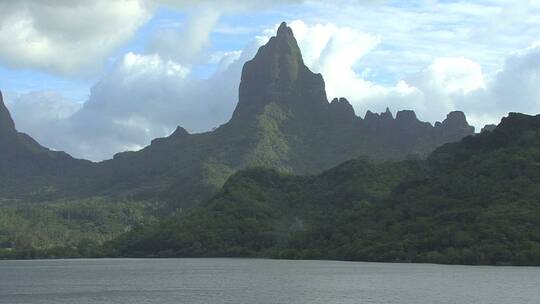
(473, 202)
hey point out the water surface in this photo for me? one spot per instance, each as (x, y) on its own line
(243, 281)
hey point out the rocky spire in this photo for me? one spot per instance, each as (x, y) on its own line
(387, 114)
(455, 126)
(457, 120)
(406, 116)
(342, 110)
(278, 74)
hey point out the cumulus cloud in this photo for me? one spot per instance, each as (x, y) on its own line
(513, 89)
(143, 97)
(43, 114)
(132, 102)
(458, 83)
(73, 37)
(41, 106)
(338, 53)
(446, 84)
(65, 36)
(147, 95)
(333, 51)
(186, 45)
(516, 86)
(434, 91)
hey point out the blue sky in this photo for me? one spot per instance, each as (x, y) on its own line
(232, 33)
(107, 76)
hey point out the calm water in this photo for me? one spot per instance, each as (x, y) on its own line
(241, 281)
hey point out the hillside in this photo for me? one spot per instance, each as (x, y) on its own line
(472, 202)
(26, 167)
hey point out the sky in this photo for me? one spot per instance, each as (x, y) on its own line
(98, 77)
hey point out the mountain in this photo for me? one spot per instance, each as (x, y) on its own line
(7, 127)
(28, 167)
(283, 120)
(472, 202)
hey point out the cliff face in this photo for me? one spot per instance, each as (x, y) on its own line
(283, 120)
(288, 106)
(7, 127)
(278, 74)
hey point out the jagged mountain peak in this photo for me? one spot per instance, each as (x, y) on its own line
(342, 109)
(406, 115)
(180, 131)
(387, 114)
(457, 117)
(456, 121)
(277, 74)
(283, 29)
(383, 116)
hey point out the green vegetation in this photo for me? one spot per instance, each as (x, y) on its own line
(67, 228)
(474, 202)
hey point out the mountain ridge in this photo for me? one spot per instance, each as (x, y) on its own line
(283, 120)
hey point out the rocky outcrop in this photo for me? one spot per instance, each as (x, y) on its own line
(454, 127)
(278, 74)
(488, 128)
(342, 110)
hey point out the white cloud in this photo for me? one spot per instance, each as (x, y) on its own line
(454, 75)
(459, 84)
(42, 114)
(64, 36)
(73, 37)
(41, 106)
(334, 51)
(339, 54)
(446, 84)
(147, 95)
(515, 87)
(437, 89)
(186, 45)
(141, 98)
(415, 32)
